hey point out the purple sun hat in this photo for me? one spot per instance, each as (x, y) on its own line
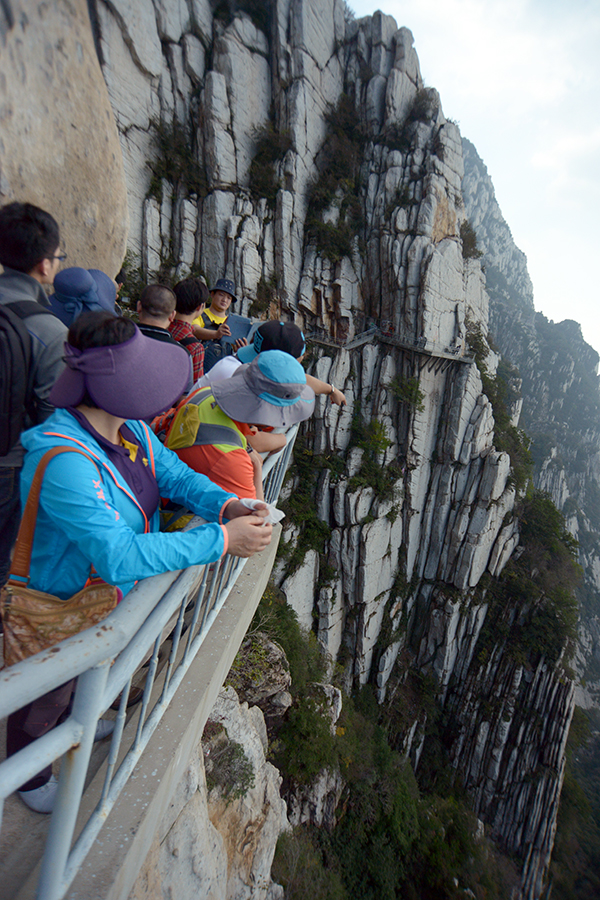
(137, 379)
(271, 390)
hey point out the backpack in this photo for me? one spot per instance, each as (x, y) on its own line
(16, 370)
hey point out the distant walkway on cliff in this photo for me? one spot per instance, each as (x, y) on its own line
(383, 332)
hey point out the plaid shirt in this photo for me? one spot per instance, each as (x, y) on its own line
(181, 330)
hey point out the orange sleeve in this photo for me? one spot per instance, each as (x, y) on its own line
(232, 471)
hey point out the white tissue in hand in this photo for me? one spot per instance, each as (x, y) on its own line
(273, 516)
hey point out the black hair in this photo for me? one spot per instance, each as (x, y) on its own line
(99, 328)
(28, 235)
(190, 294)
(157, 300)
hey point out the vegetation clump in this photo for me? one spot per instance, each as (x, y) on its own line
(227, 766)
(175, 160)
(133, 283)
(468, 237)
(300, 507)
(259, 11)
(372, 438)
(266, 293)
(338, 184)
(502, 393)
(399, 135)
(271, 147)
(534, 609)
(406, 390)
(391, 838)
(575, 866)
(304, 744)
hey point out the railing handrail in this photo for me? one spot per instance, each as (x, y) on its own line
(104, 659)
(48, 669)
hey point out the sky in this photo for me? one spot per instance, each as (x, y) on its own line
(522, 80)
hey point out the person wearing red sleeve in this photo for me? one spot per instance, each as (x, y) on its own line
(191, 296)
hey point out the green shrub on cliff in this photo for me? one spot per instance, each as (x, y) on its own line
(271, 147)
(391, 839)
(338, 183)
(469, 241)
(407, 390)
(534, 606)
(502, 392)
(174, 160)
(300, 506)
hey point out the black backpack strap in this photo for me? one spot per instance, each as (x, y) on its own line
(25, 308)
(189, 340)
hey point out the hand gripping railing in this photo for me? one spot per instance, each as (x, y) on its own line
(181, 605)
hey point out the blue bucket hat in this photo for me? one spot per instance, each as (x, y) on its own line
(224, 284)
(271, 390)
(79, 290)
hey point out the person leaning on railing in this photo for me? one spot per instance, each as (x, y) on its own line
(103, 512)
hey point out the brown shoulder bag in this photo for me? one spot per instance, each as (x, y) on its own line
(34, 621)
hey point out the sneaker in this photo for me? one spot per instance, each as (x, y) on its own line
(41, 799)
(104, 729)
(135, 695)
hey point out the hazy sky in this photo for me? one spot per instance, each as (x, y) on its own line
(522, 79)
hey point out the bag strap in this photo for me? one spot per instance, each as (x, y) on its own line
(21, 560)
(189, 340)
(25, 308)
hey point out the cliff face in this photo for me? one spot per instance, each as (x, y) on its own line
(297, 151)
(561, 401)
(59, 146)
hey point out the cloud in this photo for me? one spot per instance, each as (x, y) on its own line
(570, 150)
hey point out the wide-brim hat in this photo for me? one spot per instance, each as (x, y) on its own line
(274, 335)
(78, 290)
(271, 390)
(137, 379)
(224, 284)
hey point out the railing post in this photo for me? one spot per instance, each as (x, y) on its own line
(87, 708)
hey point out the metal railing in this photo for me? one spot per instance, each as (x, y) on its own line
(177, 606)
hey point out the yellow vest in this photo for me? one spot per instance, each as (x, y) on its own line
(199, 421)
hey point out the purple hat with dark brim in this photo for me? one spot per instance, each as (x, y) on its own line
(137, 379)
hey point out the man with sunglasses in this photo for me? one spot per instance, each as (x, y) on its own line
(32, 348)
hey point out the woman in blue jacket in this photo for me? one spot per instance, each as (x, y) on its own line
(104, 511)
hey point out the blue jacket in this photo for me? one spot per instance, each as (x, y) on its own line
(88, 514)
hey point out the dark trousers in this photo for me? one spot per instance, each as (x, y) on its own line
(10, 516)
(35, 720)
